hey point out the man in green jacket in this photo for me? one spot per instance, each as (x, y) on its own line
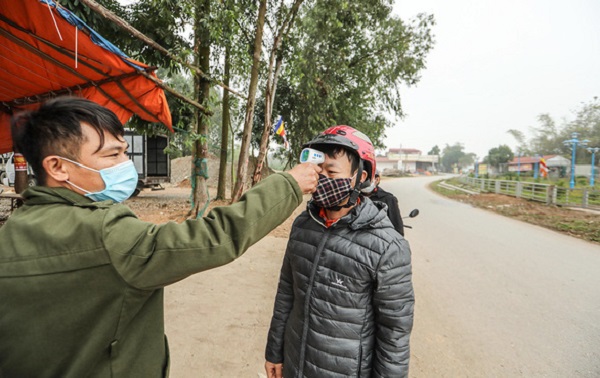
(81, 277)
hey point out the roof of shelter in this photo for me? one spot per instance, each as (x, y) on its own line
(529, 159)
(47, 51)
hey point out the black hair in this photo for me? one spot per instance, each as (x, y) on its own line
(333, 151)
(55, 129)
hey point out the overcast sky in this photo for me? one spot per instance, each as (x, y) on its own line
(496, 66)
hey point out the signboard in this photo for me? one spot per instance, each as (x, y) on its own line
(524, 168)
(482, 169)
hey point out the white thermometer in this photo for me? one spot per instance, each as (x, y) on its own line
(308, 155)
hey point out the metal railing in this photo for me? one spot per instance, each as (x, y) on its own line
(549, 194)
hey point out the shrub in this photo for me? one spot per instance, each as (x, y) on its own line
(581, 180)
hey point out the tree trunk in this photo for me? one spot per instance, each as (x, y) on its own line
(232, 155)
(201, 89)
(271, 87)
(249, 119)
(224, 132)
(269, 100)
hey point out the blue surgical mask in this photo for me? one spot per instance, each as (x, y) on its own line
(120, 181)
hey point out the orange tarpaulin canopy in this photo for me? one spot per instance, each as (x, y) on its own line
(46, 51)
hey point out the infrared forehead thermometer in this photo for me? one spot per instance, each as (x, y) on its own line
(308, 155)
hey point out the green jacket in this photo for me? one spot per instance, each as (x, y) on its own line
(81, 282)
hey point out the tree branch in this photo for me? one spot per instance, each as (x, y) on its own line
(148, 41)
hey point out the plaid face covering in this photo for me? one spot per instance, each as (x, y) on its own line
(331, 192)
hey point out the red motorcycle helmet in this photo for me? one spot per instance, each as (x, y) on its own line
(353, 140)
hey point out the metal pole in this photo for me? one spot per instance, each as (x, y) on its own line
(593, 161)
(519, 166)
(593, 150)
(573, 142)
(573, 154)
(572, 182)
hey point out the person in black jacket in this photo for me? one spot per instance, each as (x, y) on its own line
(393, 210)
(344, 303)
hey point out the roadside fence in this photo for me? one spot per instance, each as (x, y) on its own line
(550, 194)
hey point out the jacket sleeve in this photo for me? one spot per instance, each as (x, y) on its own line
(284, 301)
(150, 256)
(394, 214)
(393, 301)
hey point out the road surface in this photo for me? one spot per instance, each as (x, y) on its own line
(497, 297)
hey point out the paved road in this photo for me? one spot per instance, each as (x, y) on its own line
(497, 297)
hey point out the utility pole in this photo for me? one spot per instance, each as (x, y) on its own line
(573, 142)
(593, 150)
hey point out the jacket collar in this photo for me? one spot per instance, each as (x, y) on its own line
(43, 195)
(367, 213)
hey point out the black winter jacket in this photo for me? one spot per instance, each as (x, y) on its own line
(393, 210)
(344, 304)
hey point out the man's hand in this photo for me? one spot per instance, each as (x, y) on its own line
(307, 176)
(274, 370)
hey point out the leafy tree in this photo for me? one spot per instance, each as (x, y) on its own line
(467, 159)
(521, 140)
(455, 156)
(342, 66)
(348, 66)
(499, 155)
(587, 125)
(435, 150)
(546, 137)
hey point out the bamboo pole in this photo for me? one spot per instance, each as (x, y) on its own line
(175, 93)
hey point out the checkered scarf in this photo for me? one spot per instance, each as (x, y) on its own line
(331, 192)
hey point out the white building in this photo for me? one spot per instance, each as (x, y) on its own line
(408, 160)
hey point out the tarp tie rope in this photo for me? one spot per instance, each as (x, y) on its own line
(54, 19)
(200, 169)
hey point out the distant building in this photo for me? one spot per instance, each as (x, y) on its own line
(527, 163)
(408, 160)
(557, 165)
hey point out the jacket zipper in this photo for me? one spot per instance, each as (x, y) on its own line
(307, 302)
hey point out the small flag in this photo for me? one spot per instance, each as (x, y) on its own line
(279, 129)
(543, 168)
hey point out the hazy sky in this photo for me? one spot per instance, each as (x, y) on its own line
(496, 66)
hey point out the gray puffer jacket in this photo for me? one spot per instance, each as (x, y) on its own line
(344, 304)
